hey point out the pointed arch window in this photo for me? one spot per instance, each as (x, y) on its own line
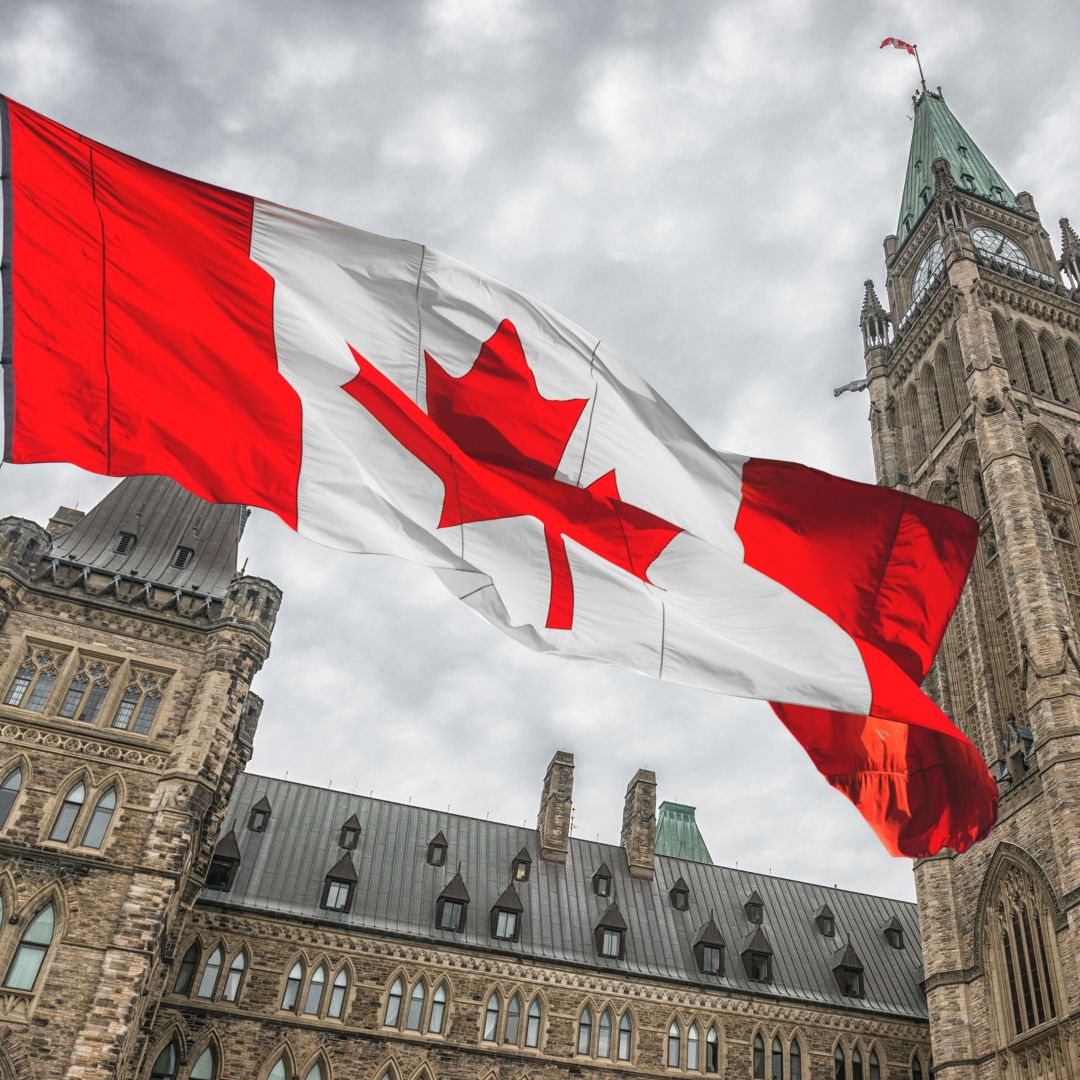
(693, 1047)
(69, 812)
(292, 987)
(875, 1066)
(438, 1010)
(1048, 367)
(210, 975)
(315, 1072)
(32, 950)
(205, 1067)
(839, 1064)
(337, 995)
(532, 1025)
(795, 1061)
(185, 974)
(9, 792)
(674, 1045)
(1046, 474)
(856, 1064)
(35, 679)
(491, 1017)
(164, 1067)
(916, 1068)
(1024, 348)
(416, 1006)
(584, 1031)
(626, 1032)
(234, 977)
(87, 691)
(94, 835)
(603, 1038)
(513, 1021)
(777, 1059)
(313, 1001)
(140, 702)
(980, 492)
(712, 1051)
(759, 1058)
(280, 1070)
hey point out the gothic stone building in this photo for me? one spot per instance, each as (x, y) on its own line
(166, 915)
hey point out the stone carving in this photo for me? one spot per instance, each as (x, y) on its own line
(952, 487)
(1072, 456)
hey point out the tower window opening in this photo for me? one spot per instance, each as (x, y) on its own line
(968, 181)
(980, 492)
(997, 194)
(924, 195)
(963, 151)
(1050, 377)
(1046, 474)
(1029, 371)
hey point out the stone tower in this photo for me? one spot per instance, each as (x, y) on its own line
(974, 380)
(128, 643)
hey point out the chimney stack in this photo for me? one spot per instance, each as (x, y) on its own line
(553, 822)
(639, 823)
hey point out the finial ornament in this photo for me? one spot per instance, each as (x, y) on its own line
(873, 319)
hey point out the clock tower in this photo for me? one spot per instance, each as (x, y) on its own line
(974, 380)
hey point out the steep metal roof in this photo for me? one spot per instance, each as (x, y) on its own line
(936, 133)
(282, 870)
(162, 517)
(678, 835)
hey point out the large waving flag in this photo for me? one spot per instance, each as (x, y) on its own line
(379, 396)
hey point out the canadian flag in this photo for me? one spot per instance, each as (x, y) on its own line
(382, 397)
(896, 43)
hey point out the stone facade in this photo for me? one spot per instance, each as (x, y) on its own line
(975, 402)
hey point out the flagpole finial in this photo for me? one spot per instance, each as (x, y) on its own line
(922, 77)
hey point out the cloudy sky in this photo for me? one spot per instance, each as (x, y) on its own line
(704, 185)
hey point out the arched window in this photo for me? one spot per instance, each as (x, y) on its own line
(33, 947)
(932, 396)
(712, 1051)
(292, 987)
(314, 1073)
(916, 443)
(99, 819)
(438, 1010)
(210, 975)
(693, 1047)
(980, 492)
(875, 1066)
(840, 1064)
(416, 1007)
(777, 1059)
(1072, 358)
(916, 1068)
(584, 1031)
(205, 1067)
(313, 1001)
(759, 1058)
(795, 1061)
(1023, 346)
(9, 792)
(164, 1067)
(491, 1017)
(674, 1045)
(1045, 474)
(1045, 354)
(280, 1071)
(603, 1041)
(234, 977)
(33, 682)
(532, 1025)
(626, 1031)
(856, 1064)
(69, 812)
(185, 974)
(337, 995)
(513, 1021)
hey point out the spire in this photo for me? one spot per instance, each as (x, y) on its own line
(937, 134)
(677, 834)
(151, 529)
(1070, 252)
(873, 319)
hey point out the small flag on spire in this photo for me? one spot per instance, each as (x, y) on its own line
(896, 43)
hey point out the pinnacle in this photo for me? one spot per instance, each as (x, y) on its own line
(871, 304)
(1070, 242)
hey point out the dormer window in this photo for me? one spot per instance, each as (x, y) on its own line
(968, 181)
(452, 906)
(521, 865)
(754, 908)
(757, 957)
(709, 949)
(680, 896)
(350, 834)
(924, 195)
(339, 886)
(760, 967)
(125, 544)
(997, 194)
(963, 151)
(183, 557)
(894, 933)
(505, 921)
(851, 982)
(907, 223)
(712, 959)
(610, 934)
(259, 817)
(224, 863)
(601, 882)
(826, 922)
(436, 850)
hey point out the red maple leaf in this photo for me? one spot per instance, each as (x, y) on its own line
(495, 443)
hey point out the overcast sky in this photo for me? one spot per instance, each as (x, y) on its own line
(703, 185)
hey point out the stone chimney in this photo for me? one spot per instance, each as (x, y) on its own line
(639, 823)
(553, 822)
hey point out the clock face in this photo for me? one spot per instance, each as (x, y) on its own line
(930, 266)
(998, 245)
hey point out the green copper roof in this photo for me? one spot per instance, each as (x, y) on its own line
(938, 134)
(677, 834)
